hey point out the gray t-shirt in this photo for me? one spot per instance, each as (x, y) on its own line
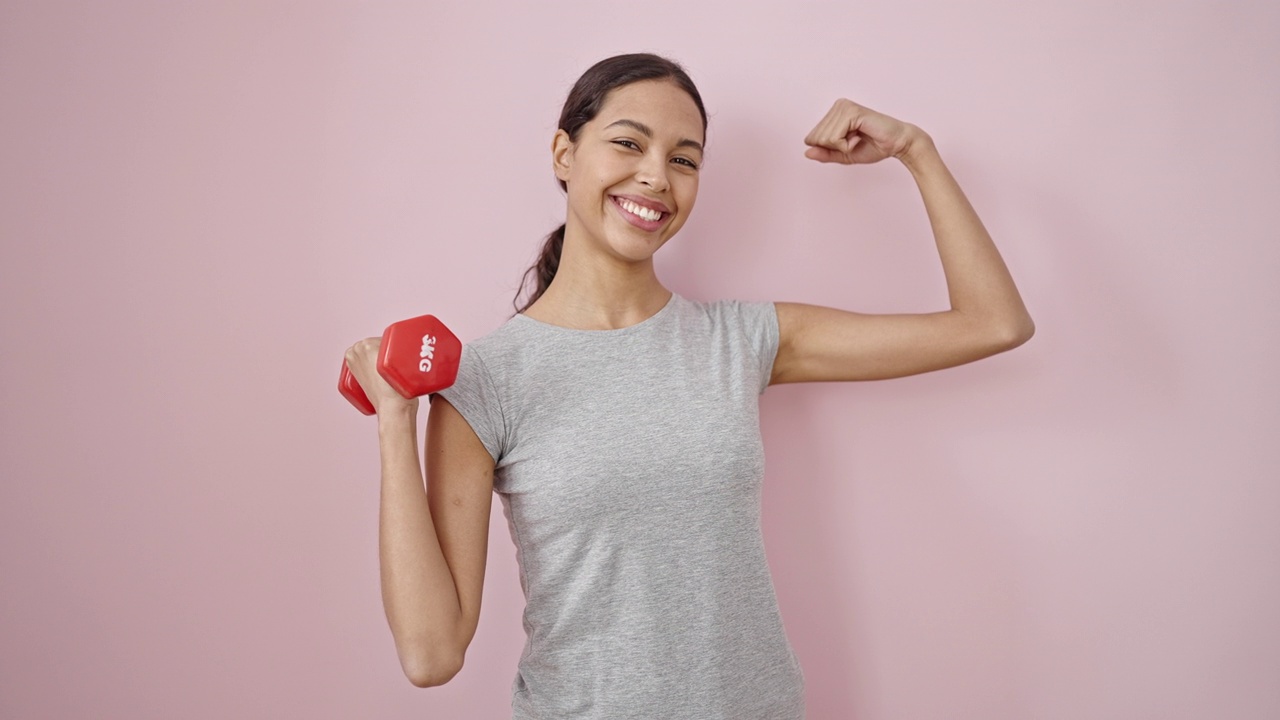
(629, 464)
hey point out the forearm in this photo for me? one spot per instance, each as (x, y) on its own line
(978, 282)
(418, 591)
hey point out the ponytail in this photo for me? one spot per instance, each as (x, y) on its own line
(543, 271)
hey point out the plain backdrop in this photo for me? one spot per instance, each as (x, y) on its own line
(202, 204)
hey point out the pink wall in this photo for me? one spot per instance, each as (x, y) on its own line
(201, 207)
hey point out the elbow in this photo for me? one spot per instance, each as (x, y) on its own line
(1003, 334)
(1016, 333)
(427, 672)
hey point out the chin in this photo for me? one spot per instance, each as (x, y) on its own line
(637, 250)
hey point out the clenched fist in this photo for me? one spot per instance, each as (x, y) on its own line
(362, 361)
(851, 133)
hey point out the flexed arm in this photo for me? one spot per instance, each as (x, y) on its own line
(987, 315)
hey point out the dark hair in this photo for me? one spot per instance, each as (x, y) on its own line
(581, 107)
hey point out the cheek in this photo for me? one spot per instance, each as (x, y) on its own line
(587, 194)
(689, 195)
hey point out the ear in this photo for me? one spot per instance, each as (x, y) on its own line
(561, 155)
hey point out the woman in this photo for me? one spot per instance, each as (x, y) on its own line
(618, 422)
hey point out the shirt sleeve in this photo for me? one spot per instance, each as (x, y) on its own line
(475, 396)
(759, 323)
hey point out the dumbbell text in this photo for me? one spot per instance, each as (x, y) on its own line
(428, 351)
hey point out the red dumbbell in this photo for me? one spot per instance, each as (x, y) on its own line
(418, 356)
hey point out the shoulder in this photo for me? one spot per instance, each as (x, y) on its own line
(483, 358)
(742, 333)
(498, 345)
(753, 323)
(501, 336)
(730, 311)
(750, 318)
(483, 385)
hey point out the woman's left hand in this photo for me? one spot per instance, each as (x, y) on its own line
(851, 133)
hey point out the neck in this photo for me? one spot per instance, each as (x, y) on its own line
(594, 292)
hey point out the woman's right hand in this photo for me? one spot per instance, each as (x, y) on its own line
(362, 361)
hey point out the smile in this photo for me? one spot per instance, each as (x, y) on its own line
(640, 212)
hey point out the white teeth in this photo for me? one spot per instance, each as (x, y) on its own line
(644, 212)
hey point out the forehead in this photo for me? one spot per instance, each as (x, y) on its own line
(660, 104)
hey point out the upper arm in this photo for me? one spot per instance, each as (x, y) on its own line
(820, 343)
(459, 473)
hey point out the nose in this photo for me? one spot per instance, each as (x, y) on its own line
(653, 172)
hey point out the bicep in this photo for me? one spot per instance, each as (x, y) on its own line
(459, 473)
(826, 344)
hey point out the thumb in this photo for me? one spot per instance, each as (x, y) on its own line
(822, 154)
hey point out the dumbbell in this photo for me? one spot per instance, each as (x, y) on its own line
(418, 356)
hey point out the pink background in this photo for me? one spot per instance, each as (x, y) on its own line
(204, 204)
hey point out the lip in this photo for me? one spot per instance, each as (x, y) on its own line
(645, 202)
(636, 221)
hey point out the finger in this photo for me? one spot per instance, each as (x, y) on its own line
(362, 349)
(867, 153)
(813, 138)
(824, 137)
(825, 155)
(841, 127)
(853, 125)
(821, 133)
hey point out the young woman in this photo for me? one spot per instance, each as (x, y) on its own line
(619, 424)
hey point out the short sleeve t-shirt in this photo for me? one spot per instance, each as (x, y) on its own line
(629, 464)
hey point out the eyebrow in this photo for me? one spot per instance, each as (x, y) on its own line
(644, 130)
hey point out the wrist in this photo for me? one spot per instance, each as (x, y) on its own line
(919, 149)
(396, 412)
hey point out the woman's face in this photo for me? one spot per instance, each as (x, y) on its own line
(644, 147)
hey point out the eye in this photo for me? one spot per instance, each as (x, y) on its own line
(688, 162)
(626, 143)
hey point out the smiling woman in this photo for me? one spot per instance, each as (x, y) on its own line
(635, 153)
(609, 120)
(619, 424)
